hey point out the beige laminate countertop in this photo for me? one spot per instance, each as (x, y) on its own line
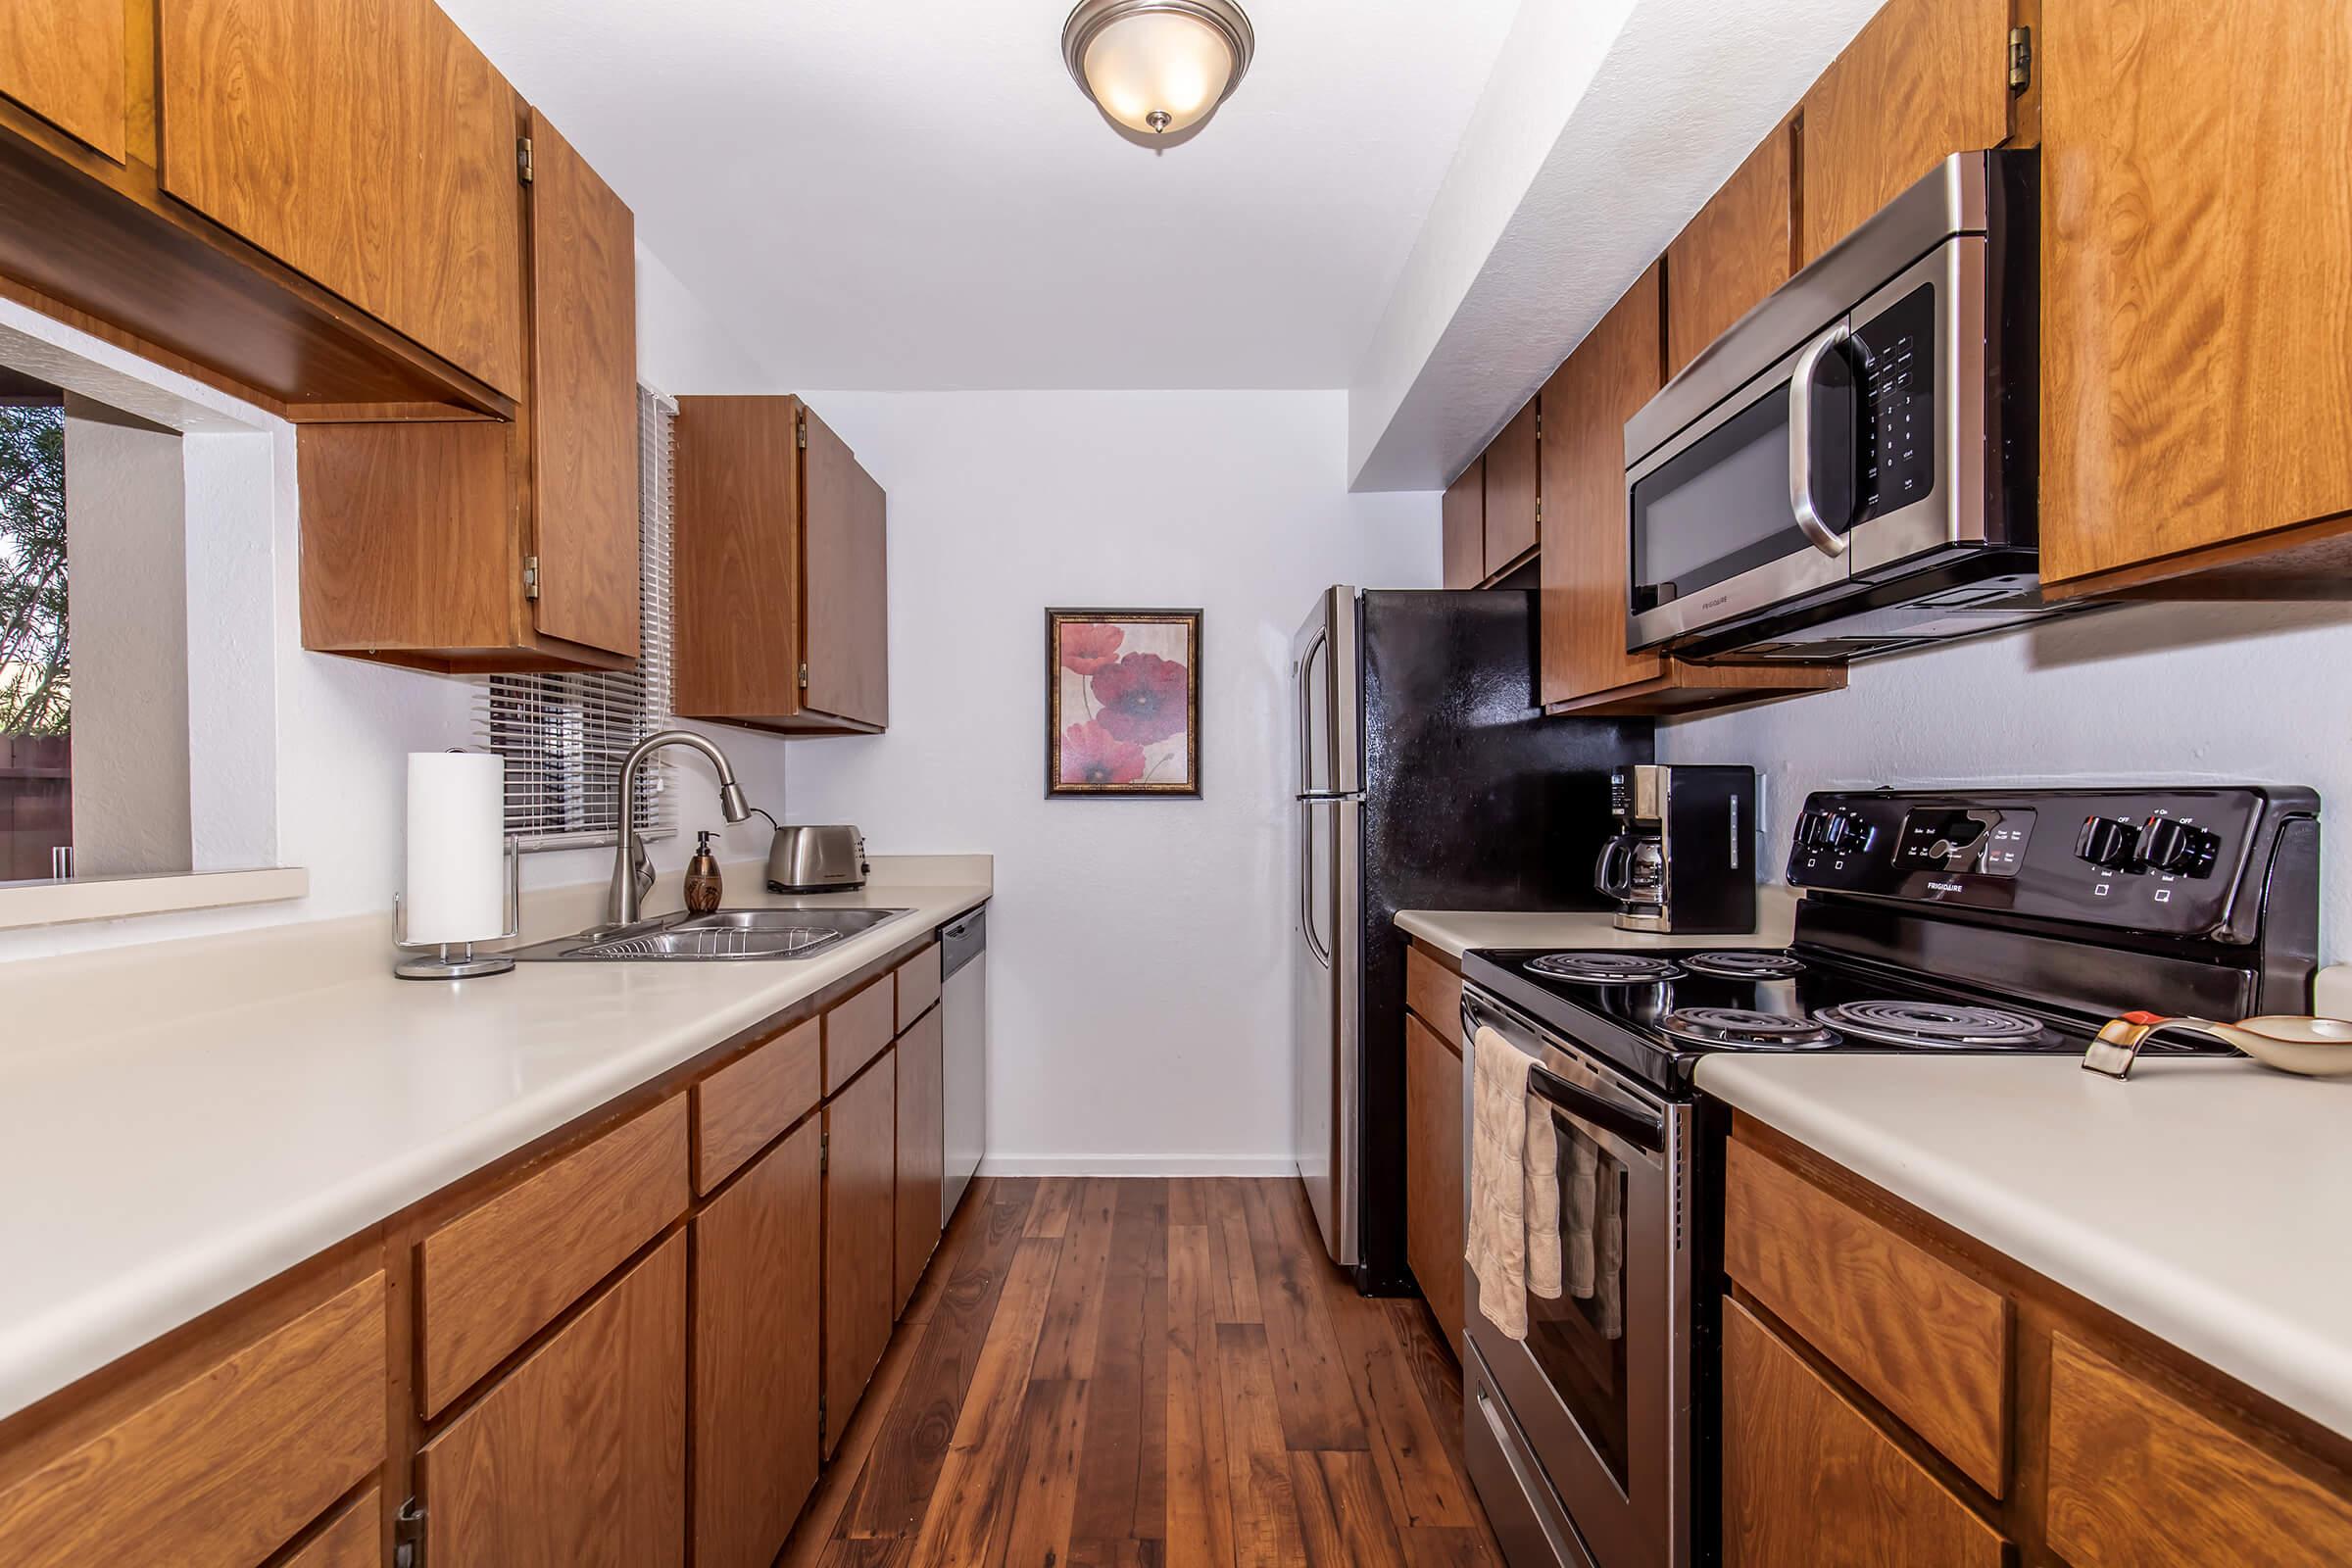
(201, 1135)
(1457, 931)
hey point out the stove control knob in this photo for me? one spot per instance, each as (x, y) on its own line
(1846, 832)
(2107, 843)
(2169, 844)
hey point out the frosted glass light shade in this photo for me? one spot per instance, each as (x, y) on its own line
(1157, 67)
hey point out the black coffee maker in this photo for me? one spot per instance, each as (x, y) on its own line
(1683, 860)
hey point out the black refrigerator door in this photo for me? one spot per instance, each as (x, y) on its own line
(1472, 801)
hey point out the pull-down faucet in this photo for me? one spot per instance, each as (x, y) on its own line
(632, 868)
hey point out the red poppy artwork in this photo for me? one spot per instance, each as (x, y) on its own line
(1123, 702)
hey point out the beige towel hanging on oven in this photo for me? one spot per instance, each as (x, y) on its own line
(1496, 1246)
(1541, 1163)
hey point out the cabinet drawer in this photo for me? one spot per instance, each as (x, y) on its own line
(918, 984)
(227, 1467)
(2139, 1477)
(858, 1029)
(1801, 1468)
(1923, 1338)
(741, 1107)
(495, 1276)
(578, 1455)
(1434, 991)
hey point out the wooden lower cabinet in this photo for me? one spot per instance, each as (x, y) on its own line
(352, 1539)
(922, 1154)
(1897, 1393)
(1810, 1482)
(861, 1180)
(220, 1457)
(577, 1458)
(1434, 1172)
(756, 1254)
(2138, 1475)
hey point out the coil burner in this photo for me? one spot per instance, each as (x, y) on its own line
(1943, 1025)
(1745, 1029)
(1746, 966)
(1605, 968)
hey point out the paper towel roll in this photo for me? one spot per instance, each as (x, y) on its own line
(456, 844)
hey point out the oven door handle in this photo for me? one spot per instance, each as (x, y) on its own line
(1813, 510)
(1642, 1132)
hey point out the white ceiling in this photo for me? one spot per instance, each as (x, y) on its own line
(914, 195)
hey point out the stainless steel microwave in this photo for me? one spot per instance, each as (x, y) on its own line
(1849, 470)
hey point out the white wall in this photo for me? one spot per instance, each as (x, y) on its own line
(321, 742)
(2180, 693)
(1141, 993)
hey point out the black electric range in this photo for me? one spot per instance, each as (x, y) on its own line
(1983, 920)
(2014, 921)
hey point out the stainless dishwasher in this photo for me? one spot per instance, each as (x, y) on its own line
(964, 1013)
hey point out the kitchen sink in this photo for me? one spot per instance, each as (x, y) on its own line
(724, 935)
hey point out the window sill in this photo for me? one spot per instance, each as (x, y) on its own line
(115, 898)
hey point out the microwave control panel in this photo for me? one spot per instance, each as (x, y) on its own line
(1893, 355)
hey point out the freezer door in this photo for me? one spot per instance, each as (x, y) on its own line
(1326, 705)
(1324, 1030)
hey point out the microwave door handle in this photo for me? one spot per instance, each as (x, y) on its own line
(1804, 498)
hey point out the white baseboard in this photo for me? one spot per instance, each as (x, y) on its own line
(1139, 1165)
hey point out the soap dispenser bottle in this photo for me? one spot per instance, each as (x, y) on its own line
(703, 886)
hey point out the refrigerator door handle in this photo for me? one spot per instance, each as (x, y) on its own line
(1306, 888)
(1306, 708)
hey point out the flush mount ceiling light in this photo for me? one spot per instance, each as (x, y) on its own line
(1157, 67)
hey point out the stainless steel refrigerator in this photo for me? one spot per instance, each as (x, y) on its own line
(1424, 777)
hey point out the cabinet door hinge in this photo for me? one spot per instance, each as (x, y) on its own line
(1539, 426)
(2020, 59)
(522, 159)
(407, 1536)
(824, 1141)
(800, 431)
(530, 577)
(804, 677)
(1538, 509)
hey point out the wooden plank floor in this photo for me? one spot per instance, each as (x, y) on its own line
(1148, 1374)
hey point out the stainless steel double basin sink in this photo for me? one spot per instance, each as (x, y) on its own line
(723, 936)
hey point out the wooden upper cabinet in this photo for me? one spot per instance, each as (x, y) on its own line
(1463, 521)
(1740, 248)
(1514, 488)
(1586, 668)
(64, 60)
(370, 148)
(578, 1454)
(583, 415)
(846, 641)
(474, 547)
(1923, 80)
(2198, 231)
(780, 571)
(1586, 580)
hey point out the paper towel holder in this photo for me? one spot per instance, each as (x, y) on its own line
(457, 960)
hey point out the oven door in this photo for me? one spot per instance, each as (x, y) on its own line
(1600, 1386)
(1834, 465)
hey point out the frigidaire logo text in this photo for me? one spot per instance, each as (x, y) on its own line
(1946, 887)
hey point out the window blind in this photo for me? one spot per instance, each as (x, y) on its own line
(563, 736)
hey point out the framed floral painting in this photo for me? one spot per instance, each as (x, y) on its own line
(1123, 702)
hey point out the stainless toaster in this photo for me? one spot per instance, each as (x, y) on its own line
(817, 860)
